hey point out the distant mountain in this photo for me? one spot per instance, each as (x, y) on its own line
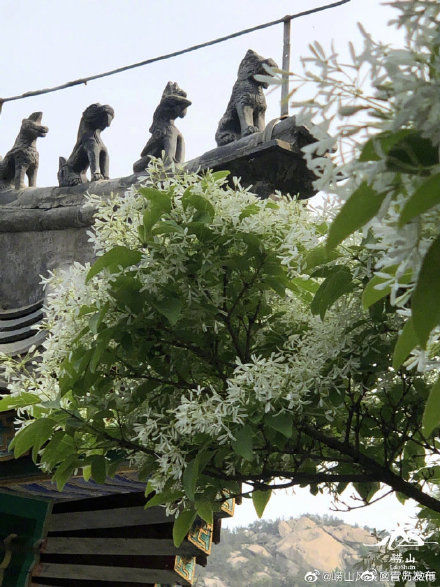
(280, 553)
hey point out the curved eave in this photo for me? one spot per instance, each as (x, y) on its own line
(18, 329)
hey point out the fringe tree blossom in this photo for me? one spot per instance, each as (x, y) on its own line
(215, 342)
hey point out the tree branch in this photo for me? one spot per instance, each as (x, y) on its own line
(349, 508)
(379, 472)
(104, 434)
(295, 478)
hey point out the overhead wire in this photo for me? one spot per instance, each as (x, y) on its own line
(85, 80)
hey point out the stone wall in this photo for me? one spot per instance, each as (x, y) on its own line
(42, 229)
(27, 255)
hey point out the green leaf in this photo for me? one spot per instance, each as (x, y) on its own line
(218, 175)
(170, 305)
(309, 285)
(125, 290)
(362, 206)
(382, 142)
(406, 342)
(204, 209)
(425, 197)
(367, 490)
(319, 256)
(182, 526)
(401, 497)
(84, 310)
(205, 511)
(114, 466)
(10, 402)
(149, 489)
(331, 289)
(281, 422)
(95, 321)
(255, 245)
(189, 478)
(249, 211)
(431, 415)
(64, 472)
(202, 231)
(260, 500)
(160, 203)
(167, 227)
(412, 154)
(157, 198)
(149, 218)
(405, 151)
(35, 433)
(99, 468)
(220, 456)
(371, 294)
(166, 496)
(87, 472)
(426, 296)
(278, 283)
(59, 447)
(98, 351)
(243, 443)
(42, 437)
(118, 256)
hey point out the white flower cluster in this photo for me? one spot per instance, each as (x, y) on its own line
(302, 367)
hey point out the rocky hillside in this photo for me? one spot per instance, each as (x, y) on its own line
(279, 554)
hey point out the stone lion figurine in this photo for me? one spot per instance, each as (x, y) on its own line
(23, 158)
(89, 150)
(247, 107)
(165, 137)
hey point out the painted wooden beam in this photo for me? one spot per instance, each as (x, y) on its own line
(114, 518)
(117, 546)
(107, 573)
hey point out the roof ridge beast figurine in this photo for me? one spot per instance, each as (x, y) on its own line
(245, 113)
(23, 158)
(89, 150)
(165, 136)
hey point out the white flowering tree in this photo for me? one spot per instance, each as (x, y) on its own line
(212, 343)
(220, 339)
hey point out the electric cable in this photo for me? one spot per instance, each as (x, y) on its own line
(84, 80)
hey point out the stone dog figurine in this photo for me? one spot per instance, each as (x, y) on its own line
(89, 150)
(23, 158)
(247, 107)
(165, 137)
